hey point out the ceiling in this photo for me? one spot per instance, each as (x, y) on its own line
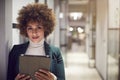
(78, 5)
(79, 2)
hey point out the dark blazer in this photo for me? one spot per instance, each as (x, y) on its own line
(57, 65)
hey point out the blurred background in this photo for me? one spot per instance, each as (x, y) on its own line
(87, 32)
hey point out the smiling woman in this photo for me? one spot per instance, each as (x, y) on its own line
(36, 21)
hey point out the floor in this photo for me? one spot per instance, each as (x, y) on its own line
(77, 67)
(113, 68)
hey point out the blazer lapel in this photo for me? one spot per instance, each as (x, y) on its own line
(24, 48)
(47, 48)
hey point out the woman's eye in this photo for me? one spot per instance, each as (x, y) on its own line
(39, 27)
(29, 28)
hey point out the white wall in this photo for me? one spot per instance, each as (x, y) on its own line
(113, 39)
(15, 36)
(50, 4)
(16, 6)
(90, 26)
(56, 37)
(42, 1)
(114, 13)
(101, 37)
(114, 22)
(50, 38)
(5, 34)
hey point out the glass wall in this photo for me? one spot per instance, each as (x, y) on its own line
(113, 40)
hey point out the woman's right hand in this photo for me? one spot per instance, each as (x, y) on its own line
(22, 77)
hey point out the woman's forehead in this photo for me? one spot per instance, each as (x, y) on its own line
(34, 22)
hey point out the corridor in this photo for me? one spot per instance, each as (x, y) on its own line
(77, 65)
(96, 21)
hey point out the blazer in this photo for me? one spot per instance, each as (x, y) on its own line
(56, 67)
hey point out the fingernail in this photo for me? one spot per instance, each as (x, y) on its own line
(22, 75)
(36, 73)
(40, 70)
(28, 76)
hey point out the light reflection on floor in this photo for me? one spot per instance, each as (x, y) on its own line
(112, 68)
(77, 65)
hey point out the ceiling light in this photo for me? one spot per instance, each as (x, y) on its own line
(76, 15)
(61, 15)
(70, 29)
(80, 30)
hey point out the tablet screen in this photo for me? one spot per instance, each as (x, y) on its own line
(29, 64)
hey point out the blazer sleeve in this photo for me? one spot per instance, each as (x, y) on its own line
(13, 60)
(60, 72)
(11, 65)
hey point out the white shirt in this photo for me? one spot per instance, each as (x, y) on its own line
(36, 48)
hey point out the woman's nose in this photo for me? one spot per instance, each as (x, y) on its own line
(34, 31)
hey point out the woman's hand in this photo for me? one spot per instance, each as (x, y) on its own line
(44, 75)
(22, 77)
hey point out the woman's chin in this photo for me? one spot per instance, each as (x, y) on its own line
(35, 41)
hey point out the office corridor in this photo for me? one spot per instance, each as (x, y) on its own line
(77, 65)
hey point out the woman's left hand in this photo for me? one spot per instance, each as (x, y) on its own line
(43, 75)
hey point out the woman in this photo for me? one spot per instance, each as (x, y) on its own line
(36, 21)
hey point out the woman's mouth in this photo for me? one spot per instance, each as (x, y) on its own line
(35, 37)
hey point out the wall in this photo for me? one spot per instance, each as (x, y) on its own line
(91, 32)
(41, 1)
(113, 40)
(101, 37)
(5, 34)
(56, 38)
(114, 12)
(16, 6)
(50, 38)
(50, 4)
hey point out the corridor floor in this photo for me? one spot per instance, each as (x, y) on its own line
(76, 62)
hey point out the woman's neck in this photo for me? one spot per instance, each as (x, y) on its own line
(39, 44)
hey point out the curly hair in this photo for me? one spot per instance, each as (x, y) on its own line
(36, 12)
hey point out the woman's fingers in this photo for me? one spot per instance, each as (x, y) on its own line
(47, 73)
(43, 75)
(26, 78)
(19, 76)
(39, 75)
(22, 77)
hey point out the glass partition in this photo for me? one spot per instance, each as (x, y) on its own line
(113, 54)
(113, 40)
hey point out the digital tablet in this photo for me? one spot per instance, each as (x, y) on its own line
(29, 64)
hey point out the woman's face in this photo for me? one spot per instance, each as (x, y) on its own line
(35, 32)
